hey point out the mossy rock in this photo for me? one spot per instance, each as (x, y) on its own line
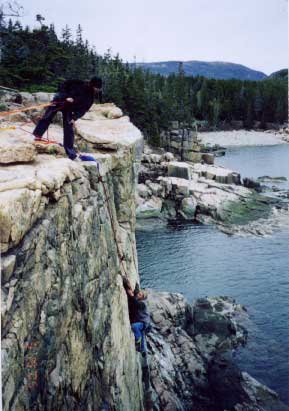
(248, 210)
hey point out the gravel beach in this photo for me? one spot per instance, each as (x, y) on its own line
(241, 138)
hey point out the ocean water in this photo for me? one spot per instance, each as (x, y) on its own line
(259, 161)
(198, 261)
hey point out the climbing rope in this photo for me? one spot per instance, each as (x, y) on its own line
(22, 110)
(46, 140)
(8, 128)
(119, 251)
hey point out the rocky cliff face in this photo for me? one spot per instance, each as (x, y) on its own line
(66, 337)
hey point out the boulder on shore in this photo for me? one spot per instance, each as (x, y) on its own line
(251, 183)
(179, 169)
(219, 174)
(149, 209)
(198, 157)
(188, 208)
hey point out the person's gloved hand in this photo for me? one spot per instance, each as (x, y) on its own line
(70, 100)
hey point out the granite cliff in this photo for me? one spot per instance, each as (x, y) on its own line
(66, 338)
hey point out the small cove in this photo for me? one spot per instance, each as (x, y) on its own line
(198, 260)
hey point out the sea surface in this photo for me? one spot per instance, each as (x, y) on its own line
(198, 260)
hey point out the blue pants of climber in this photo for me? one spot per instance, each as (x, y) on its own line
(139, 335)
(68, 132)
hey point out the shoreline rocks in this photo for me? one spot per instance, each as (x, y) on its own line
(190, 358)
(170, 189)
(270, 179)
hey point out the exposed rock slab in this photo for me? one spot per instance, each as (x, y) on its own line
(103, 128)
(25, 190)
(219, 174)
(15, 149)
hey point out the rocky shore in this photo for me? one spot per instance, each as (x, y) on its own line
(169, 189)
(190, 144)
(191, 362)
(243, 138)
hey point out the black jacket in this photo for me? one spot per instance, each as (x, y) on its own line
(82, 94)
(137, 309)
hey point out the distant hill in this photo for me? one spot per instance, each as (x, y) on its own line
(215, 69)
(280, 74)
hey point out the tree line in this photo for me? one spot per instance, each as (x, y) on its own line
(38, 59)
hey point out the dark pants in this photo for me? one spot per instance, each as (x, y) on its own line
(139, 334)
(68, 132)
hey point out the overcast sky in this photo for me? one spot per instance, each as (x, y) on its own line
(249, 32)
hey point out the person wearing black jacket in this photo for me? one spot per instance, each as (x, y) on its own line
(138, 314)
(74, 98)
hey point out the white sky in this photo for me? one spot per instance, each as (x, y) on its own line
(249, 32)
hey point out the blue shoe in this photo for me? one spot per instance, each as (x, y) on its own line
(85, 157)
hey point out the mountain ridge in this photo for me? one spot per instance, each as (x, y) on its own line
(211, 69)
(281, 74)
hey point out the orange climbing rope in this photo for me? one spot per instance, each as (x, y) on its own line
(39, 106)
(21, 110)
(8, 128)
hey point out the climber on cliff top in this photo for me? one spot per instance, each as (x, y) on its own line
(138, 314)
(74, 98)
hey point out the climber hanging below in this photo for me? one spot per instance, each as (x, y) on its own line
(74, 98)
(138, 314)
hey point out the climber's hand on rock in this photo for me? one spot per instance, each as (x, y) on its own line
(129, 292)
(127, 284)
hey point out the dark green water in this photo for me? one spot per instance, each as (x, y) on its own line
(198, 260)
